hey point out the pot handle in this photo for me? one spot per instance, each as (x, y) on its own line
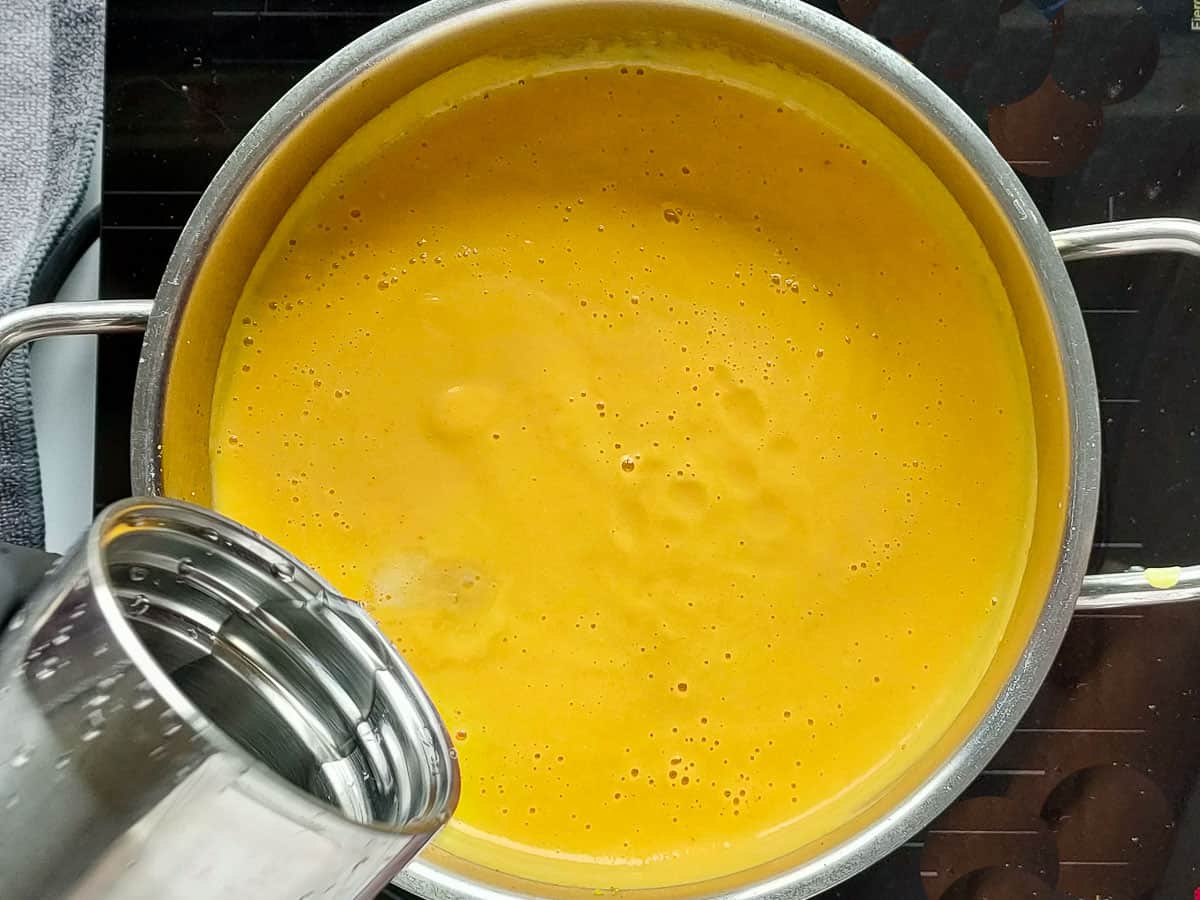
(1128, 238)
(1139, 587)
(78, 317)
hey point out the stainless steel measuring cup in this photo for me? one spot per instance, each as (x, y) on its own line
(188, 712)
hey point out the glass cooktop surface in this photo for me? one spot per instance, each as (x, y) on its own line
(1096, 105)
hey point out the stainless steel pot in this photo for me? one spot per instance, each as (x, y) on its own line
(191, 713)
(188, 319)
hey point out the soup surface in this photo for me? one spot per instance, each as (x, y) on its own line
(675, 428)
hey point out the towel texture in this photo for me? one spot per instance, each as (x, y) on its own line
(51, 97)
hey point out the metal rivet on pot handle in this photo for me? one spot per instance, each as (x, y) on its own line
(1140, 587)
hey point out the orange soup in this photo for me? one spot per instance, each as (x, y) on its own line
(676, 429)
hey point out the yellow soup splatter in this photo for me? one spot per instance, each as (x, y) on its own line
(678, 434)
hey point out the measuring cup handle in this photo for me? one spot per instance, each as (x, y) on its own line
(81, 317)
(1141, 587)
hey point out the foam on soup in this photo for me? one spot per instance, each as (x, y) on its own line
(674, 427)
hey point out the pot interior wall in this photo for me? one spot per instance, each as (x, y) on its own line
(258, 199)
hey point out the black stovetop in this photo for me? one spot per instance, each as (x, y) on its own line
(1096, 103)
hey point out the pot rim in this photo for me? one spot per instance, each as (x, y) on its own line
(433, 21)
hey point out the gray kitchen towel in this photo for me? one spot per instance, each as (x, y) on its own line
(51, 99)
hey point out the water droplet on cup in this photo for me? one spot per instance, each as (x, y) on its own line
(138, 605)
(283, 570)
